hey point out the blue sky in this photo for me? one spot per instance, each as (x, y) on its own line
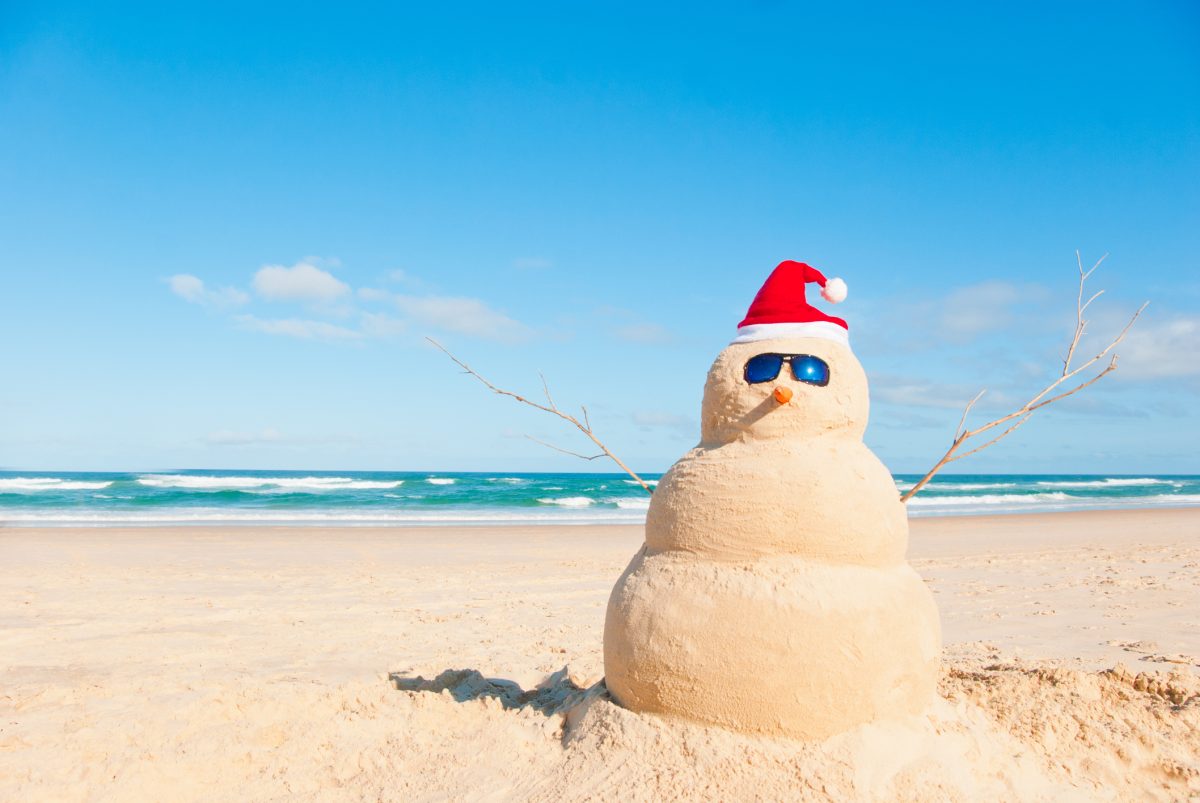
(227, 230)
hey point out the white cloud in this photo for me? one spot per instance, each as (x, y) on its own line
(380, 325)
(1161, 349)
(468, 316)
(302, 328)
(986, 307)
(192, 289)
(918, 394)
(330, 299)
(372, 294)
(901, 390)
(230, 438)
(303, 281)
(654, 419)
(648, 334)
(187, 287)
(399, 276)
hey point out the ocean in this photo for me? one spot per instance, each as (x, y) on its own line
(430, 498)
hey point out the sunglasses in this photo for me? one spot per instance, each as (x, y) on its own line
(805, 367)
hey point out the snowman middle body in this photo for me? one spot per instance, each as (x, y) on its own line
(772, 594)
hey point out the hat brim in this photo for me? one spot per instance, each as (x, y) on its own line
(769, 331)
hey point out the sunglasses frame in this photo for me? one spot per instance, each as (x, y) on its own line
(786, 359)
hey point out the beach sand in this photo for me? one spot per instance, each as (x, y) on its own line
(303, 664)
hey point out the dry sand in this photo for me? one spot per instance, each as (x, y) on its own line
(288, 664)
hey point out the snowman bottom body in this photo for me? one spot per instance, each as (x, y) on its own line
(779, 646)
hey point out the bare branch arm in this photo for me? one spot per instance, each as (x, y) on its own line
(566, 451)
(546, 389)
(585, 428)
(1020, 421)
(1022, 414)
(962, 422)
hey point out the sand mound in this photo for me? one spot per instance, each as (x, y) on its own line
(997, 731)
(1131, 736)
(1013, 732)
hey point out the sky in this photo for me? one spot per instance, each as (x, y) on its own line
(227, 231)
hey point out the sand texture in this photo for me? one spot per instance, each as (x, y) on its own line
(772, 594)
(462, 664)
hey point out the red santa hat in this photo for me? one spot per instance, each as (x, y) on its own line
(780, 309)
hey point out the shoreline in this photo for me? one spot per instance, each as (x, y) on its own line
(563, 521)
(1168, 514)
(253, 498)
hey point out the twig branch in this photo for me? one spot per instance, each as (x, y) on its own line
(566, 451)
(1022, 414)
(962, 422)
(584, 426)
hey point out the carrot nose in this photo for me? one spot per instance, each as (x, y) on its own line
(782, 395)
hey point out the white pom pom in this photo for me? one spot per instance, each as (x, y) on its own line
(834, 291)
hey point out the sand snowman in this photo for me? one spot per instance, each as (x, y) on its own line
(772, 593)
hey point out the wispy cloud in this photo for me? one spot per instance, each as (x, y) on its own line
(303, 281)
(192, 289)
(1161, 349)
(372, 294)
(303, 328)
(230, 438)
(909, 392)
(378, 324)
(657, 419)
(399, 276)
(987, 307)
(326, 297)
(467, 316)
(646, 334)
(624, 324)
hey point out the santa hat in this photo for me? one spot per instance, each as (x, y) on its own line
(780, 309)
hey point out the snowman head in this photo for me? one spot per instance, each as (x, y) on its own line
(820, 389)
(790, 372)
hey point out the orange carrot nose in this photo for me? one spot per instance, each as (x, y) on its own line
(782, 395)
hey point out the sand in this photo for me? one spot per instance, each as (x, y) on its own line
(435, 664)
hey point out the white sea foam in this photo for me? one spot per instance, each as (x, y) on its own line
(34, 484)
(441, 480)
(991, 499)
(635, 482)
(965, 486)
(631, 504)
(509, 480)
(284, 484)
(184, 516)
(569, 501)
(1113, 482)
(632, 512)
(1007, 503)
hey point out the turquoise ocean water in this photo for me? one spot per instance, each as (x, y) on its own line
(416, 498)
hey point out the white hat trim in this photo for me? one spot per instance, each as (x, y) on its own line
(768, 331)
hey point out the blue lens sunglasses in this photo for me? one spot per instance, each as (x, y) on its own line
(805, 367)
